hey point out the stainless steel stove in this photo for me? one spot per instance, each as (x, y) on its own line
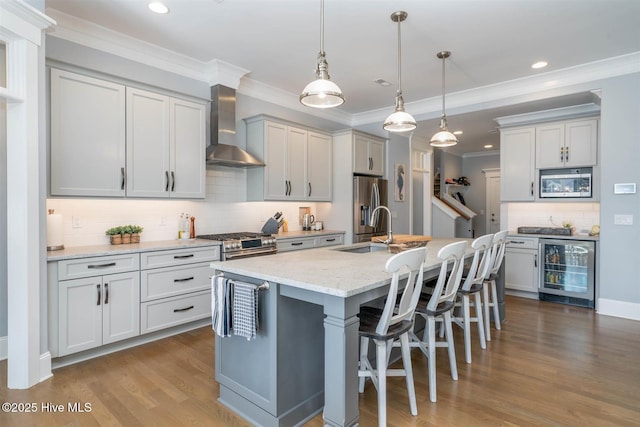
(243, 245)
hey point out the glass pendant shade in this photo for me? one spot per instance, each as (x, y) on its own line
(322, 92)
(443, 138)
(399, 120)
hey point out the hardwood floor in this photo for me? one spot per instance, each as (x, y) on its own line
(551, 364)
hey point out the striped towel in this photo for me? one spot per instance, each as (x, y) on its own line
(245, 310)
(221, 304)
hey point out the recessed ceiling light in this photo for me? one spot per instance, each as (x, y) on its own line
(458, 132)
(382, 82)
(158, 7)
(539, 64)
(488, 146)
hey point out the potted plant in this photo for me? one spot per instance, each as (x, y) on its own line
(135, 233)
(126, 233)
(115, 235)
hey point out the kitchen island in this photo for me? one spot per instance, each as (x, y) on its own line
(305, 356)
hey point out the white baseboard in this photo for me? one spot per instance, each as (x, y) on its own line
(45, 366)
(626, 310)
(4, 347)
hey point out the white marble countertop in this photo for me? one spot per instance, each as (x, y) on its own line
(327, 270)
(283, 235)
(102, 250)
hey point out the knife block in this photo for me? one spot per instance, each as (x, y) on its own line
(270, 227)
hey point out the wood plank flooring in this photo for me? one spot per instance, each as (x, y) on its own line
(550, 365)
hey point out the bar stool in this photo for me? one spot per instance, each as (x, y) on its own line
(437, 307)
(497, 254)
(390, 324)
(472, 286)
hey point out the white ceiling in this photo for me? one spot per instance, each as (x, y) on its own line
(491, 41)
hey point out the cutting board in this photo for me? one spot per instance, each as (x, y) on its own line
(405, 238)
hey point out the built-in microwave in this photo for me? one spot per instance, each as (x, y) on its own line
(566, 183)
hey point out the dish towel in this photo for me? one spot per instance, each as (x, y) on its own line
(245, 310)
(221, 304)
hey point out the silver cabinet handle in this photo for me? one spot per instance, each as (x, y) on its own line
(166, 180)
(562, 154)
(111, 264)
(566, 154)
(173, 181)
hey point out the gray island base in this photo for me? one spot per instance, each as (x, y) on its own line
(305, 357)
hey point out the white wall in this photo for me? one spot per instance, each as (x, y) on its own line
(476, 194)
(3, 204)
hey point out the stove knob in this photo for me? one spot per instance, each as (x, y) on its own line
(237, 245)
(227, 246)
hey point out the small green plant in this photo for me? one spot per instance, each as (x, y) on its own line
(113, 231)
(136, 229)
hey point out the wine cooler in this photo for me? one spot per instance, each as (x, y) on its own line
(567, 273)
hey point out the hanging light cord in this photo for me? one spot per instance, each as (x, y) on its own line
(399, 60)
(444, 116)
(322, 27)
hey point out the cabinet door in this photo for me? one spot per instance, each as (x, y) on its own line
(188, 147)
(87, 136)
(296, 163)
(376, 153)
(148, 166)
(320, 167)
(581, 142)
(550, 146)
(361, 160)
(521, 270)
(517, 164)
(120, 307)
(79, 315)
(276, 157)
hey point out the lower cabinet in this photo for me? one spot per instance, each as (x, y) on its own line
(308, 242)
(521, 265)
(97, 311)
(95, 301)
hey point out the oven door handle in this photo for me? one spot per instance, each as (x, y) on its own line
(249, 254)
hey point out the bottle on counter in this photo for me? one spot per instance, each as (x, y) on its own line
(192, 227)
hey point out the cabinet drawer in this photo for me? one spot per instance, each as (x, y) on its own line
(97, 266)
(171, 281)
(522, 242)
(168, 312)
(178, 257)
(296, 244)
(334, 239)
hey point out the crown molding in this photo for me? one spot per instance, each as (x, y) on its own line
(20, 20)
(562, 113)
(224, 73)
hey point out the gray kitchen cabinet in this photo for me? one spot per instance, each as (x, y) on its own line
(308, 242)
(98, 309)
(166, 143)
(517, 165)
(87, 136)
(110, 140)
(567, 144)
(521, 265)
(368, 155)
(298, 162)
(175, 287)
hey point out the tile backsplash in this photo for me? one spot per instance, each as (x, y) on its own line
(223, 210)
(582, 215)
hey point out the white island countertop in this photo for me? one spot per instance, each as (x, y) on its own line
(327, 270)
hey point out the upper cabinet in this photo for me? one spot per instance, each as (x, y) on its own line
(87, 136)
(567, 144)
(368, 155)
(517, 166)
(298, 162)
(165, 145)
(108, 140)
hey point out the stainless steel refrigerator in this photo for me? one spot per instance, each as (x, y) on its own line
(368, 193)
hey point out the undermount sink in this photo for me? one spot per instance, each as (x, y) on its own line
(363, 248)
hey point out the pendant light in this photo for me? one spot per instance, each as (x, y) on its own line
(444, 138)
(322, 92)
(399, 120)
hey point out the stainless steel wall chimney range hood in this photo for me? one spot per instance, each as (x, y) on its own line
(222, 151)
